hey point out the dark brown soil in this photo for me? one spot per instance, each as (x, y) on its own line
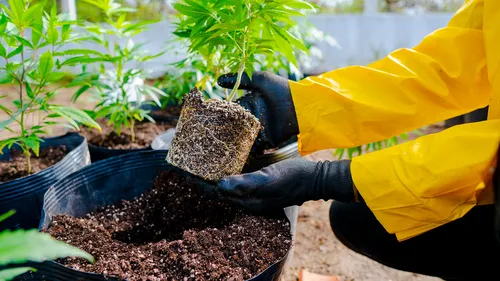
(17, 167)
(145, 133)
(213, 138)
(168, 112)
(174, 232)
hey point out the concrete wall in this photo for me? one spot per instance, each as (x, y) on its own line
(365, 38)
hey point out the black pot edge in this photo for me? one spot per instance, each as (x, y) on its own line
(47, 170)
(289, 211)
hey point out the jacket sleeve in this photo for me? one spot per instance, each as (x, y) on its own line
(444, 76)
(419, 185)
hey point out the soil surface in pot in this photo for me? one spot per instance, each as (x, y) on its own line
(17, 167)
(170, 111)
(145, 133)
(174, 232)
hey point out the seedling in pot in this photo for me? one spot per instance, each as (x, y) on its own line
(119, 88)
(19, 246)
(213, 138)
(31, 66)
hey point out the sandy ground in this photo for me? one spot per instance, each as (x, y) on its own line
(316, 248)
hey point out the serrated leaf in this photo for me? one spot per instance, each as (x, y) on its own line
(81, 60)
(7, 215)
(15, 52)
(75, 116)
(9, 274)
(30, 245)
(82, 52)
(46, 64)
(33, 143)
(55, 76)
(80, 91)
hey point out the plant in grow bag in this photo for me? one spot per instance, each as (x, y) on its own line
(30, 39)
(213, 138)
(119, 85)
(19, 246)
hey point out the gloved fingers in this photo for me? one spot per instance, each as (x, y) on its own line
(229, 80)
(236, 186)
(257, 206)
(208, 188)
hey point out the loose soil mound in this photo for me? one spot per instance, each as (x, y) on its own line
(174, 232)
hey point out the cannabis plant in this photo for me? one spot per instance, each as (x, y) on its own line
(119, 87)
(231, 34)
(30, 45)
(19, 246)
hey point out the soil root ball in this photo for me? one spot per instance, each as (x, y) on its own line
(213, 138)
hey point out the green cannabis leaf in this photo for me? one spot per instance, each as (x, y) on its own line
(231, 34)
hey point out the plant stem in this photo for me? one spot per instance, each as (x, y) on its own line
(27, 154)
(241, 69)
(26, 150)
(238, 81)
(132, 130)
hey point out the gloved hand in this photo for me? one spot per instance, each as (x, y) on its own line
(269, 99)
(290, 182)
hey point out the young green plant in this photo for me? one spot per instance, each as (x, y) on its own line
(31, 66)
(19, 246)
(119, 88)
(231, 34)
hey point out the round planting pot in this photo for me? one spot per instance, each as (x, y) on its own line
(25, 195)
(98, 153)
(108, 182)
(157, 116)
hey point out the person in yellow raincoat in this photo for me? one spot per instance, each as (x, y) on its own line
(423, 206)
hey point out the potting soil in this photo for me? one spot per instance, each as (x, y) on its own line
(17, 167)
(145, 133)
(169, 112)
(174, 232)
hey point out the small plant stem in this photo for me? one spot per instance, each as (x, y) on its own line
(241, 69)
(26, 150)
(27, 154)
(238, 81)
(132, 130)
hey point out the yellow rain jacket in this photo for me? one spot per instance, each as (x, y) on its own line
(422, 184)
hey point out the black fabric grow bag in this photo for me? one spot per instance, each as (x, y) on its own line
(107, 182)
(159, 117)
(25, 195)
(98, 153)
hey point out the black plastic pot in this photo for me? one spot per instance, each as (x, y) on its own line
(107, 182)
(287, 150)
(158, 117)
(25, 195)
(98, 153)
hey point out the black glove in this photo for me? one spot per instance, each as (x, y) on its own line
(269, 99)
(290, 182)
